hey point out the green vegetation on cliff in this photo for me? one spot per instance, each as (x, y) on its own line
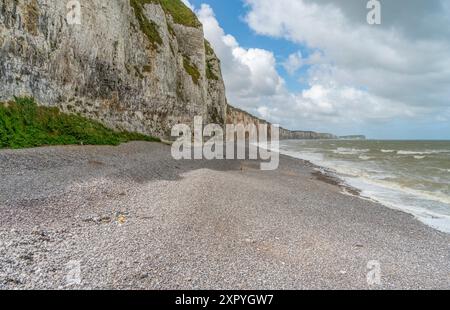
(209, 51)
(180, 13)
(148, 27)
(210, 75)
(191, 69)
(25, 124)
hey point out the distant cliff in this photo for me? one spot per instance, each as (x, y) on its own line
(235, 115)
(296, 135)
(353, 137)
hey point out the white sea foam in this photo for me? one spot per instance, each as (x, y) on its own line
(430, 152)
(400, 199)
(420, 194)
(363, 157)
(350, 151)
(376, 183)
(443, 170)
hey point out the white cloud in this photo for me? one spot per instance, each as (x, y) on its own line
(372, 73)
(357, 76)
(249, 74)
(293, 63)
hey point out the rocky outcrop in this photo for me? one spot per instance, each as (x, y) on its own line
(136, 65)
(236, 115)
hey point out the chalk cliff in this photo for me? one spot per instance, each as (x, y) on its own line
(302, 135)
(235, 115)
(139, 65)
(135, 65)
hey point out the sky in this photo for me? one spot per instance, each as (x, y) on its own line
(318, 65)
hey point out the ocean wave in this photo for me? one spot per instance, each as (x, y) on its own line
(423, 194)
(362, 157)
(383, 185)
(430, 152)
(349, 172)
(395, 196)
(350, 151)
(441, 169)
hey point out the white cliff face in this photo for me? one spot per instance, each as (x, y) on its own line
(108, 67)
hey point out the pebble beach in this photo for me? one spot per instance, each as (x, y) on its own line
(131, 217)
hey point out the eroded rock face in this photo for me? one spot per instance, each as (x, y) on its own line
(107, 67)
(238, 116)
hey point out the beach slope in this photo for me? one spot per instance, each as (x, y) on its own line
(131, 217)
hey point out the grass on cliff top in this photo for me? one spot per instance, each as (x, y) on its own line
(180, 13)
(25, 124)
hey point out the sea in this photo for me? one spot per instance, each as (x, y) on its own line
(411, 176)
